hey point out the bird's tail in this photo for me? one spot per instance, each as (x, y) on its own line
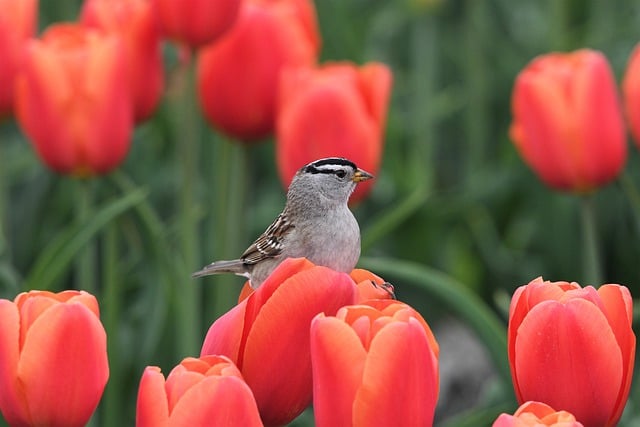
(235, 266)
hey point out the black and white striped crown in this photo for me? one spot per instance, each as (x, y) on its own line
(328, 165)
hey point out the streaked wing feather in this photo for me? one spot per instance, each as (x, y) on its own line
(269, 244)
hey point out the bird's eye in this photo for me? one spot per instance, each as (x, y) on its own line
(341, 174)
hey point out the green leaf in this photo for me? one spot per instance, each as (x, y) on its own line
(58, 255)
(454, 295)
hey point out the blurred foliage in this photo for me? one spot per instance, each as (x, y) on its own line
(453, 197)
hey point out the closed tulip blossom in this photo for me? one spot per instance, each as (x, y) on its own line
(196, 22)
(18, 22)
(567, 120)
(208, 391)
(573, 348)
(536, 414)
(134, 21)
(267, 334)
(337, 110)
(72, 100)
(374, 364)
(53, 358)
(238, 76)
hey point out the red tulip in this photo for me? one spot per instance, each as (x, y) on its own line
(208, 391)
(267, 334)
(72, 100)
(53, 358)
(238, 76)
(134, 21)
(337, 110)
(536, 414)
(196, 22)
(374, 365)
(631, 93)
(573, 348)
(18, 19)
(567, 120)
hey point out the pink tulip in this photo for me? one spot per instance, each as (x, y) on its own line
(536, 414)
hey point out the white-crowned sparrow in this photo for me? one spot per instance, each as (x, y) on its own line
(316, 223)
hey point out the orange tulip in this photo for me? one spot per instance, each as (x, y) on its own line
(267, 334)
(370, 286)
(72, 100)
(18, 19)
(567, 120)
(536, 414)
(196, 22)
(53, 358)
(238, 76)
(336, 110)
(134, 21)
(208, 391)
(573, 348)
(374, 365)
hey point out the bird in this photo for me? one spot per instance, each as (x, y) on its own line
(316, 223)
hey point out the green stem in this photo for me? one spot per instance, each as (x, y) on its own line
(227, 213)
(591, 261)
(424, 66)
(444, 289)
(633, 196)
(111, 406)
(86, 262)
(189, 294)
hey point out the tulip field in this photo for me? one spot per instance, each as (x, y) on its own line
(498, 282)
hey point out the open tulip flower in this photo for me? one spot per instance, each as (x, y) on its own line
(208, 391)
(567, 120)
(267, 334)
(338, 110)
(536, 414)
(72, 100)
(238, 76)
(374, 364)
(573, 348)
(134, 21)
(53, 358)
(18, 21)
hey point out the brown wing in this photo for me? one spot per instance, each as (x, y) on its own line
(269, 244)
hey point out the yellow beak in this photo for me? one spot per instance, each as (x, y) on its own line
(361, 175)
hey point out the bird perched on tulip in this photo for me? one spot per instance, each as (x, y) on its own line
(316, 224)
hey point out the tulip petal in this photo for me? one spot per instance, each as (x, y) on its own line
(225, 333)
(152, 408)
(279, 339)
(556, 345)
(12, 401)
(400, 379)
(619, 311)
(217, 401)
(337, 357)
(74, 371)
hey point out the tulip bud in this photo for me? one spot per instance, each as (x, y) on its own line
(573, 348)
(238, 76)
(567, 120)
(72, 100)
(208, 391)
(536, 414)
(53, 358)
(196, 22)
(374, 364)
